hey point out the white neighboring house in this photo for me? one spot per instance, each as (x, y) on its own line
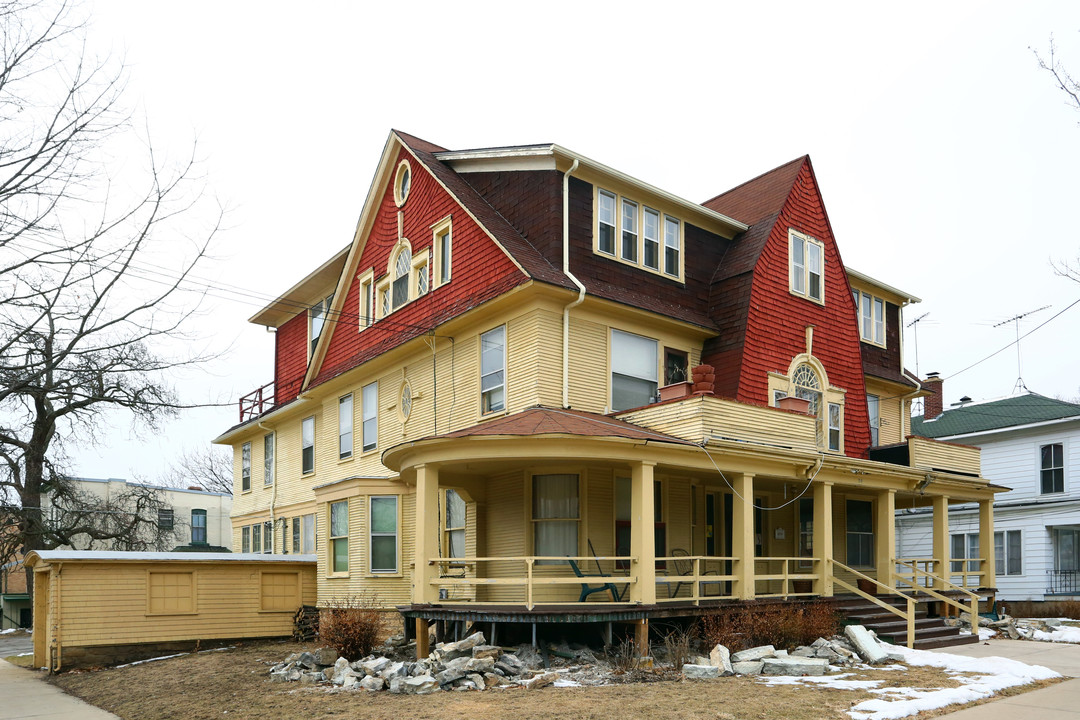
(198, 517)
(1031, 444)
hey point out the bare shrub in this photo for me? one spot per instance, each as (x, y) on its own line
(1062, 608)
(351, 625)
(784, 626)
(624, 656)
(677, 647)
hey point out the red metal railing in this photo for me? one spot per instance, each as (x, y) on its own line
(257, 402)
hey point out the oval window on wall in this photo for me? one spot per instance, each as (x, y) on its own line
(406, 401)
(402, 182)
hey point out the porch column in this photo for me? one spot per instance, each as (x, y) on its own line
(823, 536)
(941, 538)
(742, 534)
(427, 539)
(642, 533)
(986, 543)
(885, 537)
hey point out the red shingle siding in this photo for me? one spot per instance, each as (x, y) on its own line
(480, 271)
(777, 320)
(290, 358)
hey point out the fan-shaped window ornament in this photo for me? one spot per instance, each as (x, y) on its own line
(808, 387)
(406, 401)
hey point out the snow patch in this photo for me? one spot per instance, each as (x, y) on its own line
(149, 660)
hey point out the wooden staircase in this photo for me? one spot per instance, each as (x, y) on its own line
(930, 632)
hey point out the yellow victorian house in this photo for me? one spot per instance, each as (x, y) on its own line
(536, 390)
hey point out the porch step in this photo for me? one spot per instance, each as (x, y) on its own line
(930, 632)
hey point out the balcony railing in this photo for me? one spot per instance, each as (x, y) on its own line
(1063, 582)
(257, 402)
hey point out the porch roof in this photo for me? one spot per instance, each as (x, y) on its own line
(541, 420)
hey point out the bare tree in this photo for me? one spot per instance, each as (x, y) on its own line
(207, 466)
(1064, 80)
(97, 247)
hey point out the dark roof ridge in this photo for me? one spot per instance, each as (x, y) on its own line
(781, 166)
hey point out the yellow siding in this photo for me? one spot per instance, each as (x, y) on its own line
(110, 603)
(932, 455)
(894, 413)
(505, 522)
(589, 365)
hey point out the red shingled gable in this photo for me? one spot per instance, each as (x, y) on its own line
(776, 319)
(290, 358)
(480, 272)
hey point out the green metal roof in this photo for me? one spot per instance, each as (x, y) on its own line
(1008, 412)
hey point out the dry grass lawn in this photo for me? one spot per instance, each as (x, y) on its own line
(236, 684)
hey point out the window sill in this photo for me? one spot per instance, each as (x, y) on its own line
(397, 574)
(639, 266)
(337, 576)
(342, 460)
(809, 299)
(167, 614)
(883, 346)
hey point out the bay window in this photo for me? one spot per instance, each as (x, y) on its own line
(383, 526)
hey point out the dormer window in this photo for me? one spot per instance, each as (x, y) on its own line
(317, 319)
(633, 233)
(402, 267)
(807, 266)
(871, 313)
(407, 279)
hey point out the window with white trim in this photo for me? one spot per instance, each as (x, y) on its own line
(873, 409)
(641, 232)
(383, 532)
(245, 539)
(339, 537)
(634, 370)
(871, 313)
(493, 370)
(556, 514)
(965, 546)
(835, 416)
(307, 528)
(367, 299)
(808, 387)
(345, 426)
(165, 518)
(307, 445)
(268, 459)
(402, 183)
(318, 315)
(245, 467)
(198, 527)
(1008, 553)
(399, 293)
(296, 535)
(441, 241)
(369, 423)
(1052, 468)
(807, 266)
(408, 278)
(268, 537)
(256, 538)
(454, 525)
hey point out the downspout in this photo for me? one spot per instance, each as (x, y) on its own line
(58, 619)
(913, 393)
(580, 287)
(273, 491)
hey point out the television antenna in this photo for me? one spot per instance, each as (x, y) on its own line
(915, 324)
(1016, 322)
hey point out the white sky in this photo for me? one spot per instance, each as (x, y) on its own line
(947, 159)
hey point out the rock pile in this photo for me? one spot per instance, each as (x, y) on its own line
(467, 664)
(1005, 625)
(814, 659)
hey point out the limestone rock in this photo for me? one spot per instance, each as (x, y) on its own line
(326, 656)
(540, 681)
(797, 666)
(755, 653)
(700, 672)
(450, 651)
(373, 683)
(747, 667)
(720, 657)
(421, 685)
(865, 645)
(397, 685)
(376, 666)
(478, 681)
(307, 660)
(398, 669)
(487, 651)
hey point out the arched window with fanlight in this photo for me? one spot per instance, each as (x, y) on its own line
(400, 286)
(808, 387)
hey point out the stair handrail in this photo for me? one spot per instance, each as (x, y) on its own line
(973, 598)
(909, 616)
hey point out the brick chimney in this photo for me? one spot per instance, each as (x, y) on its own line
(932, 403)
(195, 487)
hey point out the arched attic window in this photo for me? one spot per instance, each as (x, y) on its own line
(808, 387)
(402, 267)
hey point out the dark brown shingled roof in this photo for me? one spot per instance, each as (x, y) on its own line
(521, 250)
(764, 195)
(542, 420)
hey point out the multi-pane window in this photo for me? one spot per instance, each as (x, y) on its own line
(808, 387)
(860, 533)
(455, 525)
(871, 312)
(245, 539)
(671, 245)
(634, 369)
(307, 527)
(1008, 556)
(493, 370)
(873, 409)
(639, 232)
(384, 534)
(605, 207)
(421, 279)
(807, 266)
(367, 302)
(1066, 542)
(370, 415)
(245, 467)
(296, 534)
(165, 518)
(629, 231)
(318, 316)
(256, 538)
(965, 546)
(400, 284)
(198, 527)
(1052, 468)
(268, 459)
(555, 515)
(834, 426)
(268, 537)
(345, 425)
(307, 445)
(441, 243)
(339, 536)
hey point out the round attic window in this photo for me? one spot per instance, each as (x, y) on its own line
(402, 182)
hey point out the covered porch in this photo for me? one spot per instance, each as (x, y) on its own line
(585, 513)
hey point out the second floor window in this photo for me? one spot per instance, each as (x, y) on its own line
(1052, 469)
(807, 267)
(339, 537)
(634, 233)
(268, 459)
(307, 445)
(871, 311)
(245, 467)
(318, 317)
(493, 370)
(198, 527)
(369, 424)
(345, 425)
(634, 368)
(165, 518)
(834, 426)
(873, 409)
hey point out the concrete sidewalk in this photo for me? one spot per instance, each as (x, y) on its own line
(26, 695)
(1056, 702)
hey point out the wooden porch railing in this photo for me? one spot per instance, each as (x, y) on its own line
(933, 581)
(693, 577)
(909, 616)
(788, 575)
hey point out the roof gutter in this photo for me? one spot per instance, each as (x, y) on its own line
(581, 288)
